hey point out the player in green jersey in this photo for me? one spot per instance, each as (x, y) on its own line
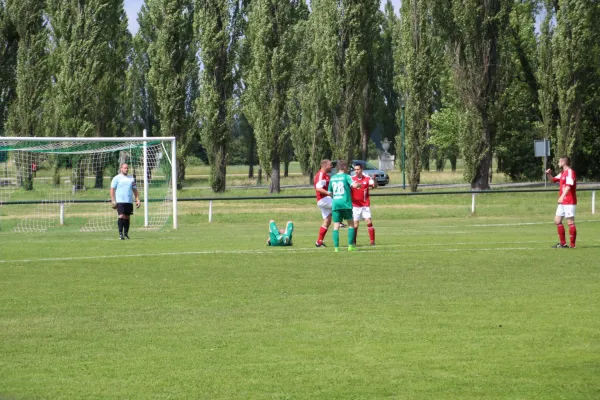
(339, 187)
(280, 237)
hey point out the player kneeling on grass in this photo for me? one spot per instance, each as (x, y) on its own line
(340, 187)
(280, 237)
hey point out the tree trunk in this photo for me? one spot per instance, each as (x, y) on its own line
(364, 122)
(180, 172)
(415, 168)
(275, 186)
(220, 169)
(453, 160)
(78, 175)
(99, 181)
(259, 180)
(481, 180)
(364, 139)
(98, 171)
(251, 146)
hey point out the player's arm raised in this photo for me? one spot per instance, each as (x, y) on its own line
(551, 177)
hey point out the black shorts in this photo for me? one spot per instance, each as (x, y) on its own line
(124, 208)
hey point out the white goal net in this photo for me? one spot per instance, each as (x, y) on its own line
(49, 183)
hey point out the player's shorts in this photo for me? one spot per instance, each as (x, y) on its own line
(325, 206)
(361, 212)
(124, 208)
(565, 210)
(341, 215)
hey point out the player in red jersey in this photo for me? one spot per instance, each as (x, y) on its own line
(323, 199)
(361, 202)
(567, 201)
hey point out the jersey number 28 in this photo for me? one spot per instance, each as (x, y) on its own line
(338, 188)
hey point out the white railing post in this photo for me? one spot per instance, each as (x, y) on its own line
(174, 180)
(472, 203)
(62, 214)
(145, 180)
(210, 211)
(593, 202)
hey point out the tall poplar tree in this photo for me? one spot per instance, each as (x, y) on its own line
(306, 106)
(343, 32)
(415, 81)
(270, 34)
(173, 73)
(141, 106)
(473, 35)
(546, 77)
(89, 44)
(386, 75)
(26, 111)
(9, 43)
(574, 41)
(370, 42)
(216, 26)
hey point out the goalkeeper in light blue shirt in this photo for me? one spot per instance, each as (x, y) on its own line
(123, 190)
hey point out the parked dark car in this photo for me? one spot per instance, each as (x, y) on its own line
(368, 169)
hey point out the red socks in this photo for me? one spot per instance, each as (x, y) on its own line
(322, 233)
(561, 234)
(371, 233)
(572, 234)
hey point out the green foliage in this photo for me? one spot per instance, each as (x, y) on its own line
(343, 39)
(270, 36)
(309, 80)
(173, 73)
(307, 107)
(474, 35)
(218, 37)
(8, 62)
(89, 47)
(386, 76)
(447, 126)
(576, 63)
(415, 75)
(141, 105)
(26, 111)
(547, 79)
(572, 42)
(518, 104)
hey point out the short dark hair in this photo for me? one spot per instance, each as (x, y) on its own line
(341, 165)
(567, 160)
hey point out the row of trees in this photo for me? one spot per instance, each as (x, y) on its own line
(283, 78)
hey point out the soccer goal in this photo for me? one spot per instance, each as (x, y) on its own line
(46, 183)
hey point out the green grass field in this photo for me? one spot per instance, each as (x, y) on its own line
(448, 305)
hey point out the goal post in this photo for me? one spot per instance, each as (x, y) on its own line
(51, 173)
